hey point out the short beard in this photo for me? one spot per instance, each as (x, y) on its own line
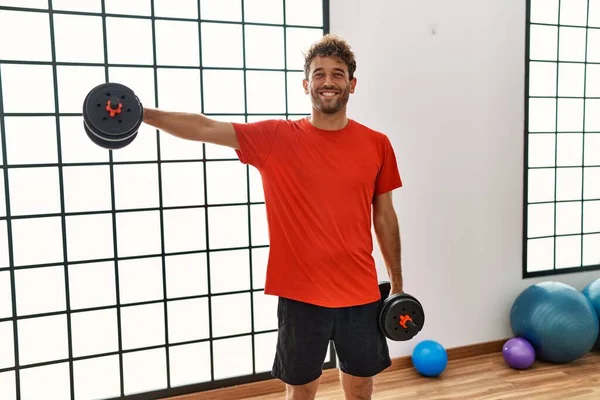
(335, 107)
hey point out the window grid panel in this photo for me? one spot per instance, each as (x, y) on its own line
(244, 47)
(583, 128)
(554, 44)
(62, 197)
(147, 66)
(160, 196)
(127, 211)
(114, 216)
(54, 65)
(136, 257)
(17, 362)
(206, 227)
(137, 350)
(145, 303)
(159, 18)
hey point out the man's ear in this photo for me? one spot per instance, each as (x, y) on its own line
(353, 85)
(305, 84)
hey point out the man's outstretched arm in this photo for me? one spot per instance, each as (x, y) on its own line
(387, 231)
(192, 126)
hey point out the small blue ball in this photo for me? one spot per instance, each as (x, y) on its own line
(429, 358)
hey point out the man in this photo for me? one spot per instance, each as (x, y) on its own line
(326, 179)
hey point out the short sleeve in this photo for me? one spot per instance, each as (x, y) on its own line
(389, 176)
(256, 141)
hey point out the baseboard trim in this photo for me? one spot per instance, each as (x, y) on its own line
(331, 375)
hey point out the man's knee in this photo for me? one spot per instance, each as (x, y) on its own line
(357, 388)
(302, 392)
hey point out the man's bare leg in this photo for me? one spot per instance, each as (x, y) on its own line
(355, 387)
(303, 392)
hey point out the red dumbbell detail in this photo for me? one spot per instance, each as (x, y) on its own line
(113, 109)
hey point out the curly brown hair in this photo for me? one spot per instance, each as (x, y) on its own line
(333, 46)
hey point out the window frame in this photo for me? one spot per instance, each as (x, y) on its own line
(526, 273)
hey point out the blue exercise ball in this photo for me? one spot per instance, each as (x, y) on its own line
(592, 293)
(429, 358)
(557, 320)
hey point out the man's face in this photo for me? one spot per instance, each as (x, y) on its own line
(329, 84)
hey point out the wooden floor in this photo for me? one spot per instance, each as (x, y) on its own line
(483, 378)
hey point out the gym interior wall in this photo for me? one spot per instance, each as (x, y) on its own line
(447, 84)
(138, 273)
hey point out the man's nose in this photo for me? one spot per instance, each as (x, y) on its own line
(329, 80)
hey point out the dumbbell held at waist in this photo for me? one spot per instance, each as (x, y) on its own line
(112, 115)
(401, 316)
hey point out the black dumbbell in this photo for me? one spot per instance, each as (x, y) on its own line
(401, 315)
(112, 115)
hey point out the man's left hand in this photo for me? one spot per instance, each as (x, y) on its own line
(396, 290)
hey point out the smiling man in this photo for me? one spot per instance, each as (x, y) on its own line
(327, 180)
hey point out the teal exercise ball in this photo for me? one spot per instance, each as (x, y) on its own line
(592, 293)
(557, 319)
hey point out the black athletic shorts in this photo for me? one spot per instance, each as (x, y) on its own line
(305, 331)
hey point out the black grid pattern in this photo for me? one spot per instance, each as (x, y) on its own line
(562, 137)
(138, 273)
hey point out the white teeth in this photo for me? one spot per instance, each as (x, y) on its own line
(329, 94)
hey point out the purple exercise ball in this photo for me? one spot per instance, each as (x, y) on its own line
(518, 353)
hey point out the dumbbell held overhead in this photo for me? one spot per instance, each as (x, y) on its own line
(401, 316)
(112, 115)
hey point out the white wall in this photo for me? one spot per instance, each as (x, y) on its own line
(452, 103)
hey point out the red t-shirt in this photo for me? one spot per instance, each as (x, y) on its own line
(319, 187)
